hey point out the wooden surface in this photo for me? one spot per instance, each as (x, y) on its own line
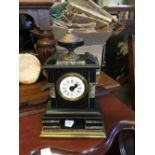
(107, 82)
(36, 2)
(30, 127)
(32, 99)
(33, 93)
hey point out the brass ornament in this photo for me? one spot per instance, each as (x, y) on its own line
(69, 37)
(70, 41)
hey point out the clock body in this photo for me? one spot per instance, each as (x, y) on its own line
(72, 108)
(72, 84)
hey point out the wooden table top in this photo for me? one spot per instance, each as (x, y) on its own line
(107, 82)
(36, 2)
(30, 128)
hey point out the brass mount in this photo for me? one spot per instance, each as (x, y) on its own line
(70, 42)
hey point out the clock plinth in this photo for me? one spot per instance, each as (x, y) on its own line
(72, 110)
(72, 123)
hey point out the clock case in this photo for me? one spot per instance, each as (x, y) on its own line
(88, 71)
(84, 113)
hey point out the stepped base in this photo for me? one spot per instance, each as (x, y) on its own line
(73, 123)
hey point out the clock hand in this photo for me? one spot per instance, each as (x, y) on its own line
(76, 85)
(73, 87)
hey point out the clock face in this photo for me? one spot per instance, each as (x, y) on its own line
(72, 86)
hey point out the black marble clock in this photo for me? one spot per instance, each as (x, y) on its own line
(72, 110)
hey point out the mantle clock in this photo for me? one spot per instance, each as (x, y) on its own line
(72, 110)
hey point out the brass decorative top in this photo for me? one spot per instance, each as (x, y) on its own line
(70, 42)
(70, 37)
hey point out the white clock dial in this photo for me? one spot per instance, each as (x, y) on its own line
(72, 87)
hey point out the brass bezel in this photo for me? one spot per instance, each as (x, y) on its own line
(76, 75)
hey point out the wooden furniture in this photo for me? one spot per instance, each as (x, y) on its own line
(113, 112)
(107, 82)
(32, 98)
(36, 2)
(131, 65)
